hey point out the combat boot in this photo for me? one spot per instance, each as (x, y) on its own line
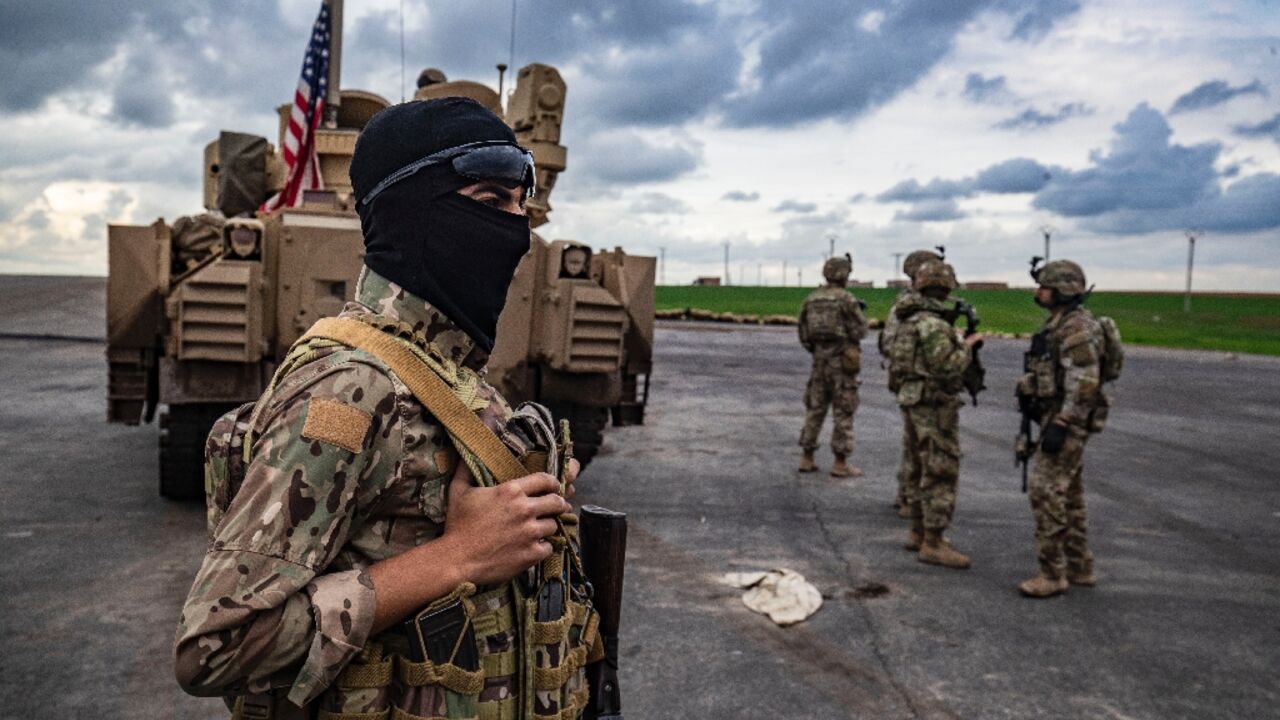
(1042, 586)
(1084, 579)
(914, 537)
(937, 550)
(807, 465)
(843, 469)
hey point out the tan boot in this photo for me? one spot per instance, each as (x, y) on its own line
(807, 465)
(1042, 586)
(914, 538)
(937, 550)
(843, 469)
(1082, 578)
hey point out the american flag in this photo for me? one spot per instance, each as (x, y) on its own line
(308, 107)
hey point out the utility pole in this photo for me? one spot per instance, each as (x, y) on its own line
(759, 274)
(662, 266)
(784, 273)
(1192, 235)
(831, 242)
(799, 277)
(897, 264)
(1047, 231)
(726, 263)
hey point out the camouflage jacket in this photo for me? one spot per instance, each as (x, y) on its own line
(840, 317)
(891, 323)
(1070, 375)
(282, 599)
(927, 355)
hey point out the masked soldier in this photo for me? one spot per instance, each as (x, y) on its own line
(1070, 358)
(831, 329)
(908, 466)
(357, 509)
(927, 360)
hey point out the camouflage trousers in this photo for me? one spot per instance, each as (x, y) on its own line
(1056, 491)
(830, 384)
(908, 464)
(933, 433)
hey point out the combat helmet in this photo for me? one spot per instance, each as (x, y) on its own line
(934, 274)
(1062, 275)
(837, 268)
(916, 259)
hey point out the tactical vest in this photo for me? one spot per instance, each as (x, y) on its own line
(824, 320)
(534, 633)
(1043, 379)
(908, 375)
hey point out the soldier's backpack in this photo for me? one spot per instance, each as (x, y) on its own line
(1112, 361)
(824, 319)
(901, 352)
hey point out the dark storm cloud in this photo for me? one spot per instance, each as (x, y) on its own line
(141, 96)
(981, 89)
(1038, 18)
(1213, 93)
(1141, 172)
(1016, 175)
(795, 206)
(1266, 128)
(930, 210)
(1032, 118)
(821, 60)
(626, 157)
(740, 196)
(936, 189)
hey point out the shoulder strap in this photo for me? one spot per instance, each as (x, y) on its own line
(431, 391)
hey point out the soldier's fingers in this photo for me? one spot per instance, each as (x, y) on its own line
(548, 505)
(545, 528)
(537, 484)
(571, 470)
(461, 480)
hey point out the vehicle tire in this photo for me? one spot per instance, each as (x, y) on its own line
(586, 424)
(183, 430)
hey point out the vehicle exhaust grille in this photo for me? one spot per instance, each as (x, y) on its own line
(214, 315)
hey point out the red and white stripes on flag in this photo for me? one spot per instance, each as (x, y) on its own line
(308, 108)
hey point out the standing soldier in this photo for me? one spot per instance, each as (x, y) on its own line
(908, 466)
(927, 360)
(1070, 358)
(369, 562)
(831, 329)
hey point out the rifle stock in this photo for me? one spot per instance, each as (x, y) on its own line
(604, 545)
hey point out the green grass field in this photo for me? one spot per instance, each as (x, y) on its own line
(1233, 322)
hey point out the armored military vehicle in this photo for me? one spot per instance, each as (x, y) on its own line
(200, 312)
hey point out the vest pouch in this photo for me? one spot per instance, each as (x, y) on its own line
(911, 392)
(363, 688)
(559, 652)
(446, 683)
(1098, 416)
(1046, 377)
(851, 360)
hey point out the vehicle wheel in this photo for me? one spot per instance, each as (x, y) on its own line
(586, 425)
(183, 430)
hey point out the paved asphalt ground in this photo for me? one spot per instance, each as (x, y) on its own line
(1184, 493)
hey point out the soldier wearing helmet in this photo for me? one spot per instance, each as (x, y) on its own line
(831, 329)
(927, 360)
(907, 466)
(1062, 389)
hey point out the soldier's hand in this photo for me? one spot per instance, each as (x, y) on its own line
(572, 468)
(972, 340)
(498, 532)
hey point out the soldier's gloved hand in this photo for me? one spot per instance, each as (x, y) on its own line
(498, 532)
(1054, 437)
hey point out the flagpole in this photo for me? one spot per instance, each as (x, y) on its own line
(334, 99)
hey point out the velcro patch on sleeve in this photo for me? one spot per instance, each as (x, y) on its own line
(337, 424)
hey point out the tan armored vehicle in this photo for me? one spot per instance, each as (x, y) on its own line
(200, 312)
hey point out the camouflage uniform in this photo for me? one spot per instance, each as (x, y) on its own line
(928, 395)
(282, 599)
(1067, 380)
(909, 461)
(833, 379)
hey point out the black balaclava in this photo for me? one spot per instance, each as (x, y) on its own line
(455, 253)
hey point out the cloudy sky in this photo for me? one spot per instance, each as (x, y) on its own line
(886, 125)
